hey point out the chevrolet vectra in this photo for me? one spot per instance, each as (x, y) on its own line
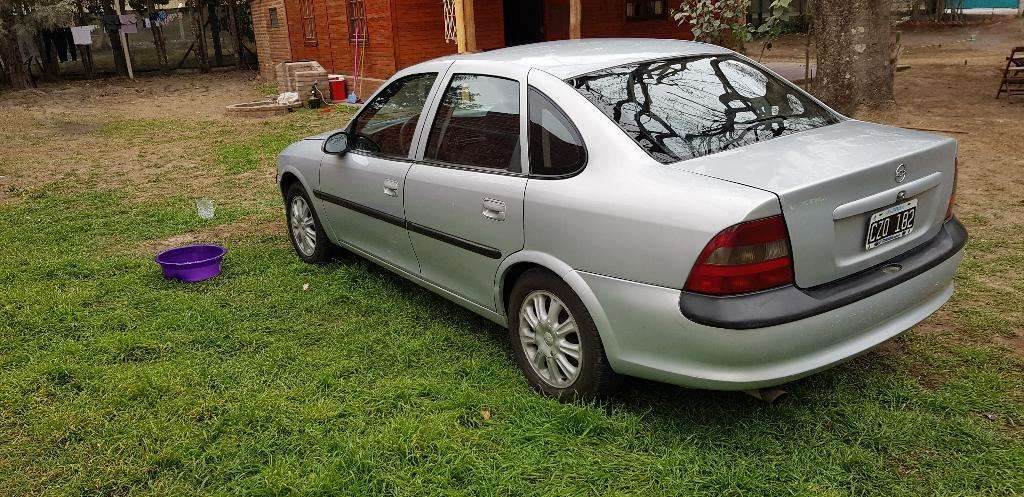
(655, 208)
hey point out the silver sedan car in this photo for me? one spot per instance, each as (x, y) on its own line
(654, 208)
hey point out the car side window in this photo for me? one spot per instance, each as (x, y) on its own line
(477, 124)
(387, 124)
(556, 147)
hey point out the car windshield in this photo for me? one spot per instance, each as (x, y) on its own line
(682, 108)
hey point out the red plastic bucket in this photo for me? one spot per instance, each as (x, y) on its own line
(338, 88)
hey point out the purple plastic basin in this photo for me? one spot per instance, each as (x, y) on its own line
(192, 262)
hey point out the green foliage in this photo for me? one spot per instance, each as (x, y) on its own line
(25, 17)
(723, 22)
(780, 12)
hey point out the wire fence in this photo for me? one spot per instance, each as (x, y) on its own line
(178, 31)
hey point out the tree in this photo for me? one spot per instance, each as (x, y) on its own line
(20, 24)
(852, 41)
(724, 22)
(147, 8)
(10, 54)
(197, 8)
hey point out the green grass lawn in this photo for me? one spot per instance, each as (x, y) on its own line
(114, 381)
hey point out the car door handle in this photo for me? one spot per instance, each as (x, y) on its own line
(493, 209)
(391, 187)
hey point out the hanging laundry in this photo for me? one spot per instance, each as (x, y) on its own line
(82, 35)
(60, 38)
(128, 24)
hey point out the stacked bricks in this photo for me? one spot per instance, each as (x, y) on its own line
(300, 76)
(262, 109)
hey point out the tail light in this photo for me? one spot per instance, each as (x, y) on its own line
(952, 196)
(747, 257)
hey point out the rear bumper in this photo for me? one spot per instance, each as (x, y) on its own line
(650, 338)
(789, 303)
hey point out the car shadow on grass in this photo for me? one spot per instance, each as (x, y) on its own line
(634, 394)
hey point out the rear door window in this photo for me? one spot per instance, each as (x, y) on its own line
(556, 148)
(687, 107)
(388, 123)
(477, 124)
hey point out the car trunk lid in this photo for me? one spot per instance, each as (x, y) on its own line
(831, 180)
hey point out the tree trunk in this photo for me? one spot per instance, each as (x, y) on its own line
(851, 38)
(199, 30)
(236, 37)
(84, 51)
(17, 75)
(112, 29)
(158, 37)
(47, 55)
(214, 15)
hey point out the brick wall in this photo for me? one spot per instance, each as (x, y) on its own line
(272, 45)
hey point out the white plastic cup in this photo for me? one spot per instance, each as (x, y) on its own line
(205, 208)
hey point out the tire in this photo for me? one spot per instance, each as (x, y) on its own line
(317, 248)
(545, 355)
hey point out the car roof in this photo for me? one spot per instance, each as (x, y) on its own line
(569, 58)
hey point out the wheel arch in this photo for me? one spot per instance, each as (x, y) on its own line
(518, 263)
(290, 175)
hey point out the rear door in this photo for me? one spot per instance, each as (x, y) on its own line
(362, 191)
(464, 196)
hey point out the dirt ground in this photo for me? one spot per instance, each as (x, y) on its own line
(150, 96)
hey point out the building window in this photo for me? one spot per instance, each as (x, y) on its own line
(357, 21)
(308, 21)
(272, 15)
(638, 10)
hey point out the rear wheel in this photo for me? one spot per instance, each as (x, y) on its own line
(307, 234)
(554, 339)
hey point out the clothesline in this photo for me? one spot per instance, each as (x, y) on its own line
(129, 24)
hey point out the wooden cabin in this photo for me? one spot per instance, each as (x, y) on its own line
(383, 36)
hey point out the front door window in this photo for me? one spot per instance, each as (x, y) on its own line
(386, 126)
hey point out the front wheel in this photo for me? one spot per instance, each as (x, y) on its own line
(307, 234)
(554, 339)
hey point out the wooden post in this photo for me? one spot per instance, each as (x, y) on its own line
(469, 17)
(465, 26)
(575, 18)
(124, 43)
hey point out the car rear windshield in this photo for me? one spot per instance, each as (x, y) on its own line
(682, 108)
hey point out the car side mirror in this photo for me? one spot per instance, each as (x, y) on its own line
(336, 144)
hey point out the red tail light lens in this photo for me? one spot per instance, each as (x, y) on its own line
(952, 196)
(747, 257)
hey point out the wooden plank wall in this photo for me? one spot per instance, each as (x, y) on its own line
(333, 49)
(420, 28)
(301, 50)
(607, 19)
(406, 32)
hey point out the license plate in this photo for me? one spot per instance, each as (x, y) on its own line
(890, 224)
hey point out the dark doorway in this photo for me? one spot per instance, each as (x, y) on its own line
(524, 21)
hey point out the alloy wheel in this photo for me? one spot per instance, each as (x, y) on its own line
(550, 339)
(303, 226)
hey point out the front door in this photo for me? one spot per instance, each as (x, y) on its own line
(362, 191)
(464, 199)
